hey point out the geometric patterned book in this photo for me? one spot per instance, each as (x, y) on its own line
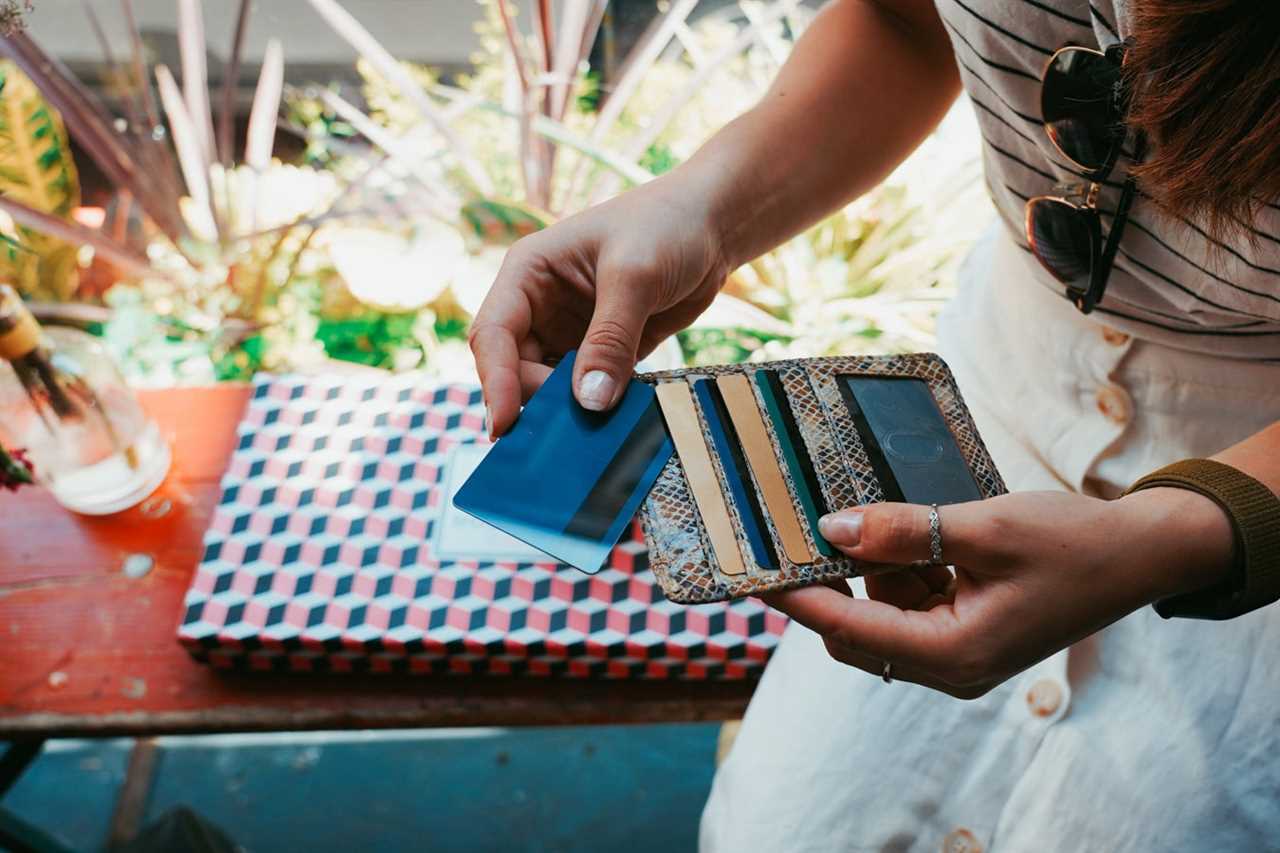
(335, 547)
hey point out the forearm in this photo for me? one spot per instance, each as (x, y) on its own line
(1258, 456)
(864, 85)
(1190, 537)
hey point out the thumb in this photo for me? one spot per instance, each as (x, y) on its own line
(893, 532)
(609, 350)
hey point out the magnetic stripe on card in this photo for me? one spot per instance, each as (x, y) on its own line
(676, 400)
(603, 507)
(741, 403)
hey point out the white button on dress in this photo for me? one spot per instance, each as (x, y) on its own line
(1114, 404)
(960, 841)
(1115, 337)
(1045, 697)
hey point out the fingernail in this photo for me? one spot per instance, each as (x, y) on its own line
(595, 391)
(488, 421)
(841, 528)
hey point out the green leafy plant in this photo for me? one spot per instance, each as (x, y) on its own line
(37, 169)
(223, 244)
(525, 138)
(550, 142)
(381, 248)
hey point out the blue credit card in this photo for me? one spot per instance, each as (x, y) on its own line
(567, 480)
(734, 465)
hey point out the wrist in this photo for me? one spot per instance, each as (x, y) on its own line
(1184, 541)
(689, 194)
(728, 179)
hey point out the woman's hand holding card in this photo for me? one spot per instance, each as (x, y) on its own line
(611, 282)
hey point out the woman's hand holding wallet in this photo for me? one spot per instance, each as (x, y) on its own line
(1035, 572)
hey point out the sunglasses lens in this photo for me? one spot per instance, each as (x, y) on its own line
(1064, 239)
(1079, 110)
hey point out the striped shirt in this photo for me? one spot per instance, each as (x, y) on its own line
(1172, 282)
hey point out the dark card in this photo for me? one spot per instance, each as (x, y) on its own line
(910, 446)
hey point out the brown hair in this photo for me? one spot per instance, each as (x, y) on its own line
(1204, 77)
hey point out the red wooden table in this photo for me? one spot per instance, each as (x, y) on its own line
(87, 650)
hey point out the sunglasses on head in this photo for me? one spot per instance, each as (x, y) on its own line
(1082, 103)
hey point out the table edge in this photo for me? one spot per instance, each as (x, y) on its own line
(268, 718)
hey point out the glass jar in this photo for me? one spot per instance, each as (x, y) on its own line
(63, 401)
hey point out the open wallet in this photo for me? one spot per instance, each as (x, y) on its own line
(762, 451)
(731, 467)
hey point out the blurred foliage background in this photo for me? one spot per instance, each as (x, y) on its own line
(360, 226)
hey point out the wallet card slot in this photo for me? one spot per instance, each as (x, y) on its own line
(910, 447)
(838, 474)
(736, 473)
(795, 454)
(676, 401)
(753, 437)
(856, 458)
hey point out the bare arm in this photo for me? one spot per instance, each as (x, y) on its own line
(864, 85)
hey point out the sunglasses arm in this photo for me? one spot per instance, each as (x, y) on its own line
(1102, 270)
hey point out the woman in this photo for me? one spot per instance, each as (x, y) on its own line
(1095, 724)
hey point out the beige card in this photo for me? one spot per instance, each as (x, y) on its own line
(676, 400)
(763, 459)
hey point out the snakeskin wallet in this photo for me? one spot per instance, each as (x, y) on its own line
(762, 451)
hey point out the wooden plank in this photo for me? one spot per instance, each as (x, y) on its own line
(131, 801)
(86, 650)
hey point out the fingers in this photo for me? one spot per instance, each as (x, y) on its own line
(498, 364)
(500, 326)
(609, 350)
(532, 375)
(913, 588)
(899, 533)
(910, 638)
(840, 585)
(680, 316)
(923, 647)
(875, 666)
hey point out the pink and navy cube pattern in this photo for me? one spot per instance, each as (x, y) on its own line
(332, 549)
